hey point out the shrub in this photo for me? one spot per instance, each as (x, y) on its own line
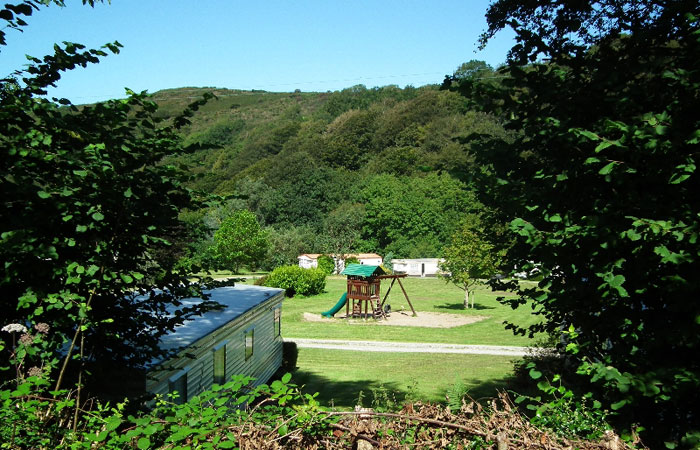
(311, 282)
(296, 280)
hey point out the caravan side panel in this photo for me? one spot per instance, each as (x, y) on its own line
(197, 362)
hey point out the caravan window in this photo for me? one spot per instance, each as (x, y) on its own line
(249, 342)
(178, 383)
(220, 363)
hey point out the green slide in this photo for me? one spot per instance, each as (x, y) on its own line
(331, 312)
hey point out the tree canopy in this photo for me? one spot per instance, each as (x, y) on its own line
(600, 180)
(89, 218)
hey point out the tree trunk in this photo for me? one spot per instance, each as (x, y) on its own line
(466, 299)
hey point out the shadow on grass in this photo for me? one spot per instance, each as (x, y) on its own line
(344, 394)
(347, 394)
(480, 390)
(460, 306)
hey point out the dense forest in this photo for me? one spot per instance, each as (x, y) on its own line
(385, 170)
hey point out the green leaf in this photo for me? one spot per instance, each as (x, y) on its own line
(113, 423)
(128, 193)
(535, 374)
(607, 168)
(143, 443)
(126, 278)
(43, 194)
(617, 281)
(605, 144)
(587, 134)
(632, 235)
(98, 216)
(618, 405)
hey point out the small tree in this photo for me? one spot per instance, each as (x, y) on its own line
(327, 264)
(240, 241)
(468, 259)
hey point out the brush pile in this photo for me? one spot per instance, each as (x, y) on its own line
(495, 426)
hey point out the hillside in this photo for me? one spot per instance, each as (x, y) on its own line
(391, 165)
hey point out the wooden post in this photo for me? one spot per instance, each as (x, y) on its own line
(393, 280)
(407, 299)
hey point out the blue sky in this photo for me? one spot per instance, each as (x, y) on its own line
(274, 45)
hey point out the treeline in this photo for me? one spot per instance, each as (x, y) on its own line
(384, 170)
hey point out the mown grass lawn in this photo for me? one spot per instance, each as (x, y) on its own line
(426, 294)
(340, 376)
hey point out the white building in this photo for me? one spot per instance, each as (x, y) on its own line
(421, 267)
(368, 259)
(310, 260)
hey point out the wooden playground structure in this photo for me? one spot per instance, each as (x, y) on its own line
(364, 291)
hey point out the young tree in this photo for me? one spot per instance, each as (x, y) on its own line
(88, 214)
(327, 264)
(601, 181)
(240, 241)
(469, 258)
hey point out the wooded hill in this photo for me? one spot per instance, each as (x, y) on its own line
(383, 169)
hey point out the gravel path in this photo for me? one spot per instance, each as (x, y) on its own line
(409, 347)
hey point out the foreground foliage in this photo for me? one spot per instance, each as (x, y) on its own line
(89, 227)
(236, 415)
(601, 184)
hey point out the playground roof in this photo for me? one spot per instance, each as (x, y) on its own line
(362, 270)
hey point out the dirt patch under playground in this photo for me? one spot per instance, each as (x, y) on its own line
(406, 319)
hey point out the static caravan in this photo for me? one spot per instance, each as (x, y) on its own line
(422, 267)
(242, 338)
(369, 259)
(308, 260)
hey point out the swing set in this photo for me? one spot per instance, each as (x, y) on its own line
(364, 289)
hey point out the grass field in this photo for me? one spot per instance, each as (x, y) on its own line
(426, 294)
(339, 376)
